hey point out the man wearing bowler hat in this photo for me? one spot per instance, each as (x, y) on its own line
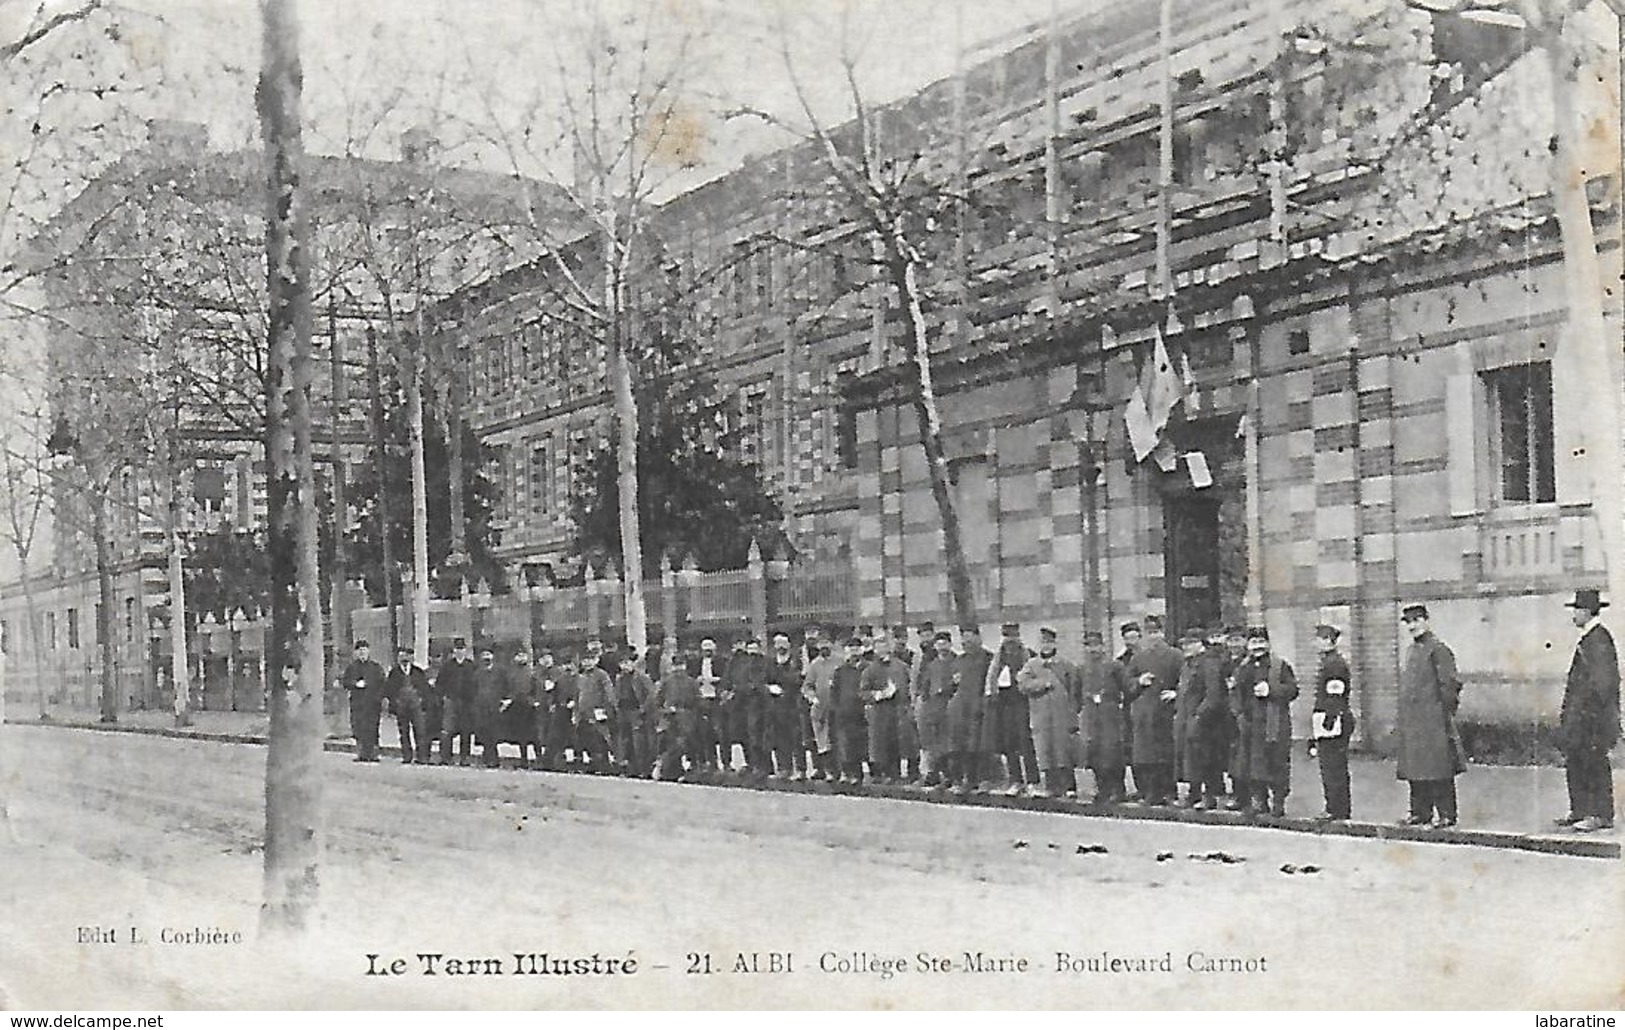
(1589, 724)
(1430, 752)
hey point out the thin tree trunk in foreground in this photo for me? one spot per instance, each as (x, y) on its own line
(104, 611)
(293, 797)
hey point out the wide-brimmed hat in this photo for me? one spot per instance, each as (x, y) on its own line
(1588, 598)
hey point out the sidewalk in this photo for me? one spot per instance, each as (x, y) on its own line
(1501, 805)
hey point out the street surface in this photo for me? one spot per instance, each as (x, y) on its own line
(117, 831)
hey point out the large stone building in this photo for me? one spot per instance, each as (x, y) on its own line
(154, 282)
(1362, 302)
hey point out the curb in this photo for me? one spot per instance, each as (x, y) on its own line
(1578, 847)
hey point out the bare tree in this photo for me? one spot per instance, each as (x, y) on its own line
(293, 795)
(882, 181)
(616, 126)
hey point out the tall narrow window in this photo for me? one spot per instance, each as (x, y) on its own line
(540, 478)
(73, 629)
(1521, 443)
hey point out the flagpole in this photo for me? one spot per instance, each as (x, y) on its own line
(1165, 141)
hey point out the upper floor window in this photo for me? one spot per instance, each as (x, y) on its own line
(73, 629)
(1521, 435)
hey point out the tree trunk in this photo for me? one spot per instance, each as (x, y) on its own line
(626, 457)
(386, 545)
(420, 506)
(454, 470)
(177, 621)
(905, 277)
(626, 466)
(104, 611)
(293, 795)
(1599, 351)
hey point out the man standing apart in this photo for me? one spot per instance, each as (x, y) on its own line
(364, 680)
(1153, 674)
(1430, 752)
(1332, 724)
(1589, 724)
(406, 690)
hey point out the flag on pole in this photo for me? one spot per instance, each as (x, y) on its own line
(1155, 396)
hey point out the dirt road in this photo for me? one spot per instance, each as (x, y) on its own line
(871, 903)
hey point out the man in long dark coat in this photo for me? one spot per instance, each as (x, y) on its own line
(885, 699)
(406, 689)
(1266, 686)
(782, 705)
(594, 711)
(1241, 791)
(559, 700)
(1430, 752)
(933, 690)
(848, 730)
(1101, 718)
(1153, 674)
(454, 684)
(520, 702)
(677, 700)
(963, 742)
(746, 692)
(1588, 725)
(363, 678)
(634, 702)
(716, 744)
(490, 684)
(1191, 691)
(1333, 723)
(1209, 726)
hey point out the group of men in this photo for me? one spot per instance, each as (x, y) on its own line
(1212, 714)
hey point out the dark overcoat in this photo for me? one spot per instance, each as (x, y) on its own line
(965, 707)
(1204, 725)
(1429, 746)
(1151, 719)
(1589, 720)
(1264, 724)
(1102, 721)
(934, 687)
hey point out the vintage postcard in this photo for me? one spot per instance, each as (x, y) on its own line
(834, 504)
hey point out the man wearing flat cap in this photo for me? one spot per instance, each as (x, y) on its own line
(1430, 751)
(1589, 724)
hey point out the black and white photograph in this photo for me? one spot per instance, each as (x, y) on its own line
(866, 505)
